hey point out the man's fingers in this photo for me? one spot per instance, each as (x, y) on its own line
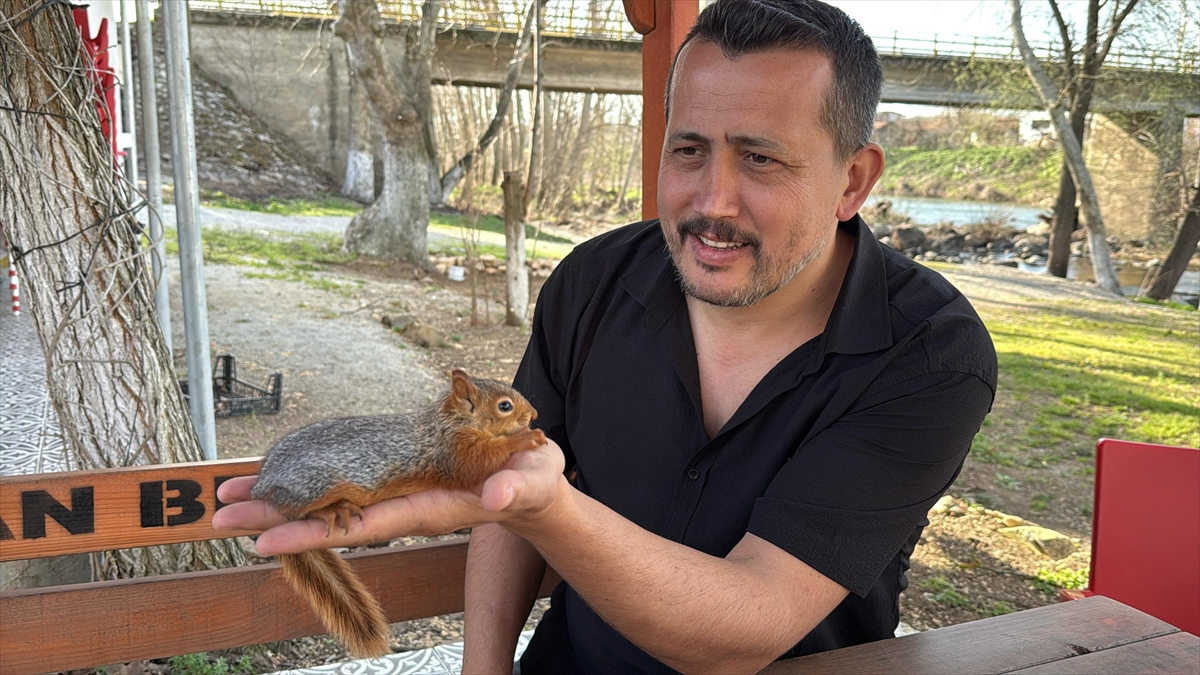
(236, 489)
(246, 515)
(426, 513)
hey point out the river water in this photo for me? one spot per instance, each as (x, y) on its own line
(927, 211)
(930, 211)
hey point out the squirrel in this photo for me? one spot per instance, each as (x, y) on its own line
(331, 469)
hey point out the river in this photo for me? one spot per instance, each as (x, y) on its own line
(927, 211)
(931, 211)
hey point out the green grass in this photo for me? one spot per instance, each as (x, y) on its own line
(199, 664)
(943, 592)
(454, 227)
(323, 205)
(1024, 174)
(1050, 581)
(1075, 371)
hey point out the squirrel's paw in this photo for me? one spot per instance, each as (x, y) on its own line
(529, 439)
(337, 514)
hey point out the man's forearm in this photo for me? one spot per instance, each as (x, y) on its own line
(693, 611)
(503, 575)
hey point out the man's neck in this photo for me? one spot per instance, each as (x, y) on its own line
(802, 307)
(737, 346)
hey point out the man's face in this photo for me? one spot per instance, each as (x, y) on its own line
(749, 183)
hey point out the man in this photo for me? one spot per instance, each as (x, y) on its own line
(756, 423)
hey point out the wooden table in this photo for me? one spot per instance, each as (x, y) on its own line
(1094, 635)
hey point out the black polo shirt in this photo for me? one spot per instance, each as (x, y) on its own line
(835, 456)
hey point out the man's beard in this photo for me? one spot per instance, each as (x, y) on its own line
(767, 275)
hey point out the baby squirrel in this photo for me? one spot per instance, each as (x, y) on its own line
(331, 469)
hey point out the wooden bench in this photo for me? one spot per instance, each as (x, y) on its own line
(91, 624)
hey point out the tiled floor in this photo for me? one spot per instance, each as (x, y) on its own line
(440, 660)
(29, 437)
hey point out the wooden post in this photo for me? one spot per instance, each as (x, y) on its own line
(516, 276)
(663, 25)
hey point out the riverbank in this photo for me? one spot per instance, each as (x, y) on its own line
(997, 174)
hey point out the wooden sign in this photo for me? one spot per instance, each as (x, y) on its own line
(81, 511)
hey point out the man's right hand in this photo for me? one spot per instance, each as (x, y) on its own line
(528, 487)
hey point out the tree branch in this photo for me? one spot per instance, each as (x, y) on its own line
(520, 52)
(1106, 275)
(1113, 28)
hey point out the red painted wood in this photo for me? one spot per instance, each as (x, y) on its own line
(670, 23)
(1146, 529)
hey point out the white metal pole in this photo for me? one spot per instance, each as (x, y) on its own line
(127, 95)
(187, 205)
(149, 87)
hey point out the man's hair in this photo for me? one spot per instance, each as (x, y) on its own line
(745, 26)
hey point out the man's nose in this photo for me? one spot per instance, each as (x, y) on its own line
(718, 196)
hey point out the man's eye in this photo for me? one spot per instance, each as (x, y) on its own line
(761, 160)
(689, 151)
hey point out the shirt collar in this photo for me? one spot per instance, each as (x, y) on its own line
(860, 322)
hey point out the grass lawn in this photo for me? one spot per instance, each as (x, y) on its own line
(325, 205)
(1081, 370)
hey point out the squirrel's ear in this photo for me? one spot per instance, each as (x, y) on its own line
(461, 386)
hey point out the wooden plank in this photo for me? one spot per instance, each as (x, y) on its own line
(81, 511)
(85, 625)
(1175, 653)
(996, 645)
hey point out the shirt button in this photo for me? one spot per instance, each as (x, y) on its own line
(693, 474)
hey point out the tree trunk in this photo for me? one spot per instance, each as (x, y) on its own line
(1066, 215)
(539, 115)
(360, 160)
(1167, 276)
(87, 278)
(1106, 275)
(394, 226)
(516, 276)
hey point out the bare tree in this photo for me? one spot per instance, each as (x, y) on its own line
(451, 178)
(539, 113)
(1106, 275)
(395, 225)
(77, 245)
(1080, 77)
(1188, 235)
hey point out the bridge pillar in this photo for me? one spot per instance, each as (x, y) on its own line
(1165, 204)
(663, 25)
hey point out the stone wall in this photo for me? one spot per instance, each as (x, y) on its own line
(1125, 173)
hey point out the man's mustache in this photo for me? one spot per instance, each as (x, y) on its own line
(718, 230)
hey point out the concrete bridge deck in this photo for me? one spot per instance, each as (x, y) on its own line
(598, 51)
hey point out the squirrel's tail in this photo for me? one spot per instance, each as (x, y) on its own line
(341, 601)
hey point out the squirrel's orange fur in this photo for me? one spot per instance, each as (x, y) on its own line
(330, 470)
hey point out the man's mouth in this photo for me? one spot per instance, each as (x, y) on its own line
(714, 243)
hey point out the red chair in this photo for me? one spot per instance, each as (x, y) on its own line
(1146, 530)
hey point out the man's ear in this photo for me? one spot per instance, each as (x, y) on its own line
(461, 386)
(862, 171)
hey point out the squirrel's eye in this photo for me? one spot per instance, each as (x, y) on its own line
(505, 406)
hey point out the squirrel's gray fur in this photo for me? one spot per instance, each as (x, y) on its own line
(368, 451)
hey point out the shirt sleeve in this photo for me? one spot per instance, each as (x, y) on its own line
(850, 497)
(542, 376)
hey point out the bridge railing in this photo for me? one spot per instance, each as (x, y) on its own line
(935, 45)
(606, 21)
(563, 18)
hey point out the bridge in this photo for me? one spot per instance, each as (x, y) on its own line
(592, 48)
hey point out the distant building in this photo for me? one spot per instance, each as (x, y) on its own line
(1035, 127)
